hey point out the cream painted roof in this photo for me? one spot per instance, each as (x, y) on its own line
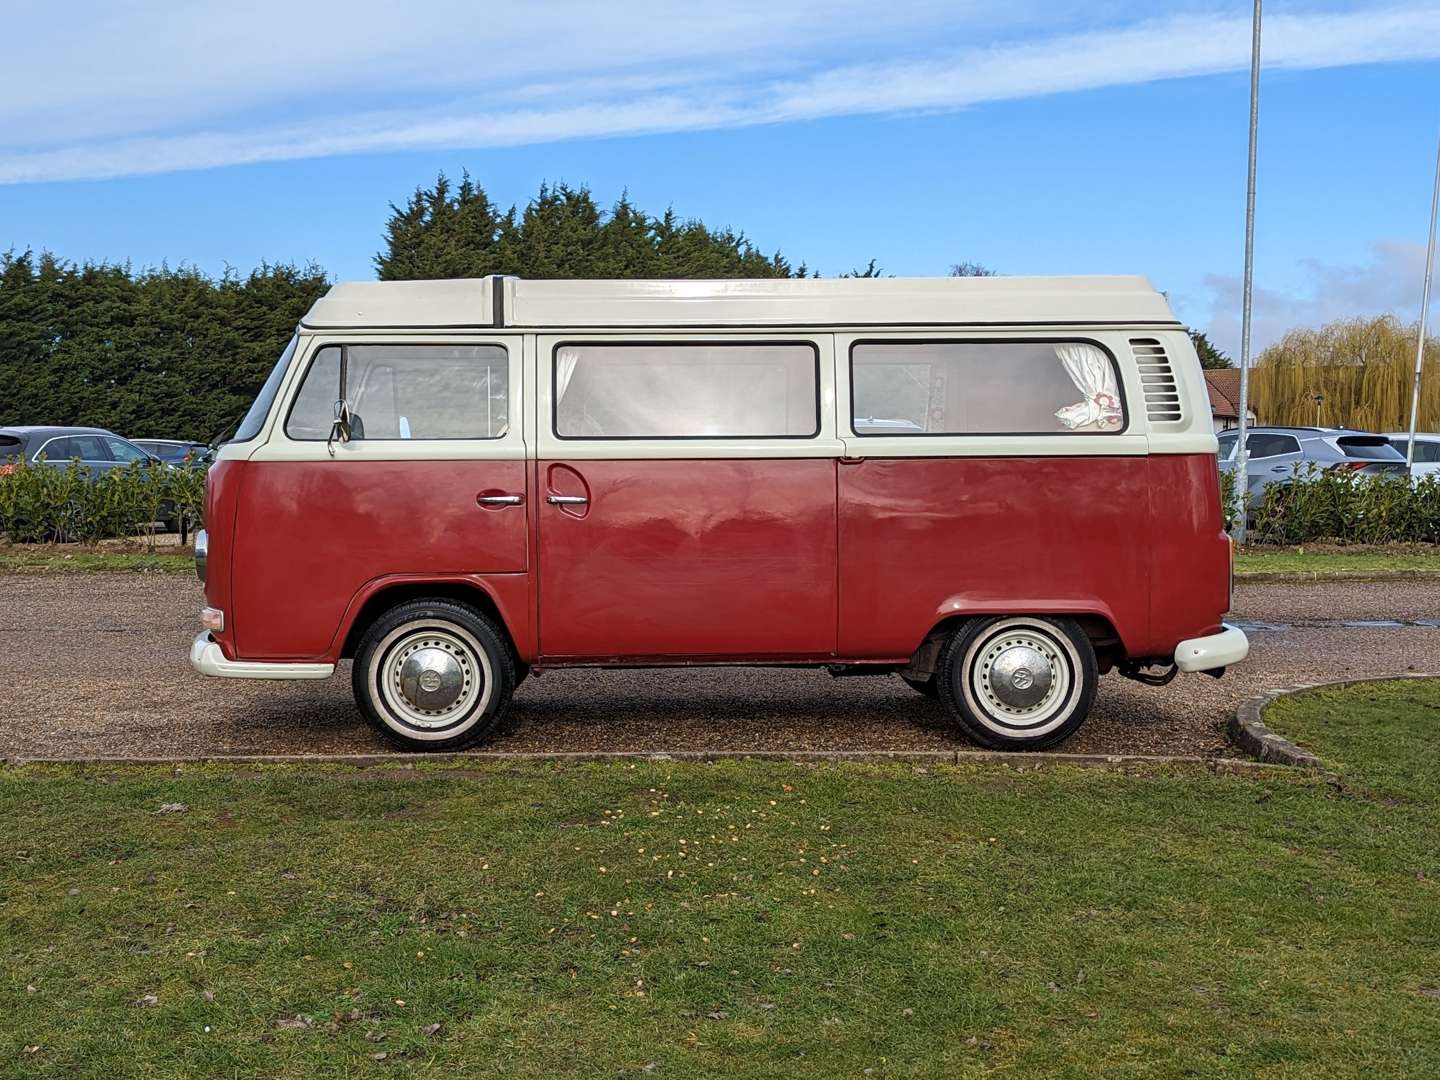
(474, 302)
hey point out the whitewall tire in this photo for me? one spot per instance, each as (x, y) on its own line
(1022, 682)
(433, 675)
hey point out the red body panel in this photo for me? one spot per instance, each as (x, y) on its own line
(763, 559)
(222, 499)
(688, 558)
(1189, 551)
(311, 536)
(923, 538)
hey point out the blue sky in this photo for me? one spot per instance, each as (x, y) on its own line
(1029, 136)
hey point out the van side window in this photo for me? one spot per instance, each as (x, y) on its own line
(406, 392)
(84, 447)
(684, 390)
(984, 388)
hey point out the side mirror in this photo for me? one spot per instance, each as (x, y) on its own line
(340, 428)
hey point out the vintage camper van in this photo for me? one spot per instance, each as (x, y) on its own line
(995, 489)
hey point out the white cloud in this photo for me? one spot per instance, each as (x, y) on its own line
(1389, 282)
(366, 79)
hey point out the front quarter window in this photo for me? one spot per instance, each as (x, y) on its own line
(125, 452)
(255, 419)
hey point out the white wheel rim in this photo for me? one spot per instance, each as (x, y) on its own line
(1001, 671)
(387, 677)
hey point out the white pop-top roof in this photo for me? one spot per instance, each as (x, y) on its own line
(497, 301)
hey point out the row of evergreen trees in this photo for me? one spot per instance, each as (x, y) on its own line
(159, 353)
(456, 231)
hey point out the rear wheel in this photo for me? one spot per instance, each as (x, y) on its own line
(1018, 682)
(433, 675)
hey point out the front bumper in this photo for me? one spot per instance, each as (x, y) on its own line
(1230, 646)
(206, 658)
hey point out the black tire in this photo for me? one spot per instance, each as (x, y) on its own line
(929, 687)
(973, 697)
(462, 646)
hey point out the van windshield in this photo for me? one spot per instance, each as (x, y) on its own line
(255, 418)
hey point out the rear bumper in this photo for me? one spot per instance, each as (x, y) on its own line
(206, 658)
(1230, 646)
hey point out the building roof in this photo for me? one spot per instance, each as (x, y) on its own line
(1224, 387)
(514, 302)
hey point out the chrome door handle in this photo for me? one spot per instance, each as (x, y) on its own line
(500, 500)
(567, 500)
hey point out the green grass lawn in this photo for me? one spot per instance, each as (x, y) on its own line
(1329, 561)
(740, 918)
(63, 560)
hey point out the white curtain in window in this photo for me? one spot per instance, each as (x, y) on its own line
(565, 361)
(1091, 372)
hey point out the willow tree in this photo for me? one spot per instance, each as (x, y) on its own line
(1353, 373)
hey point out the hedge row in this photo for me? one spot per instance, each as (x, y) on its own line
(1329, 505)
(1342, 507)
(43, 504)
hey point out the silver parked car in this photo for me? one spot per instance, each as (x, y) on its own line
(1427, 451)
(1277, 452)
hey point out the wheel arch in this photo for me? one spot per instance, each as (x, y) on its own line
(381, 595)
(1097, 623)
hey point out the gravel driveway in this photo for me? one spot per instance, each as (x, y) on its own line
(96, 664)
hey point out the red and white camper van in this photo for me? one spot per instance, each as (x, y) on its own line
(996, 489)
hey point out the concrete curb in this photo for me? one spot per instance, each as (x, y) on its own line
(1292, 577)
(1019, 761)
(1247, 728)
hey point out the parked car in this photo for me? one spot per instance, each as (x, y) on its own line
(177, 451)
(1278, 453)
(97, 449)
(1426, 461)
(458, 482)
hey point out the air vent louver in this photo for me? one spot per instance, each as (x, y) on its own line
(1162, 396)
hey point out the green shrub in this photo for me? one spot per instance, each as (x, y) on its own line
(42, 504)
(1227, 499)
(1342, 506)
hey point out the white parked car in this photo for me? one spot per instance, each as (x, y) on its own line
(1427, 451)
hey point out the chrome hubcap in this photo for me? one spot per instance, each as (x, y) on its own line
(431, 678)
(1020, 675)
(1019, 679)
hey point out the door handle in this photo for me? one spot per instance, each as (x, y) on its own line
(567, 500)
(500, 500)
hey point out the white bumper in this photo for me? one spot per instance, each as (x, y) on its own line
(1230, 646)
(206, 658)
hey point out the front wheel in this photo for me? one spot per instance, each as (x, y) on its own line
(1018, 682)
(433, 675)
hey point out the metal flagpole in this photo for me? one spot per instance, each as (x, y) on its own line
(1424, 310)
(1242, 456)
